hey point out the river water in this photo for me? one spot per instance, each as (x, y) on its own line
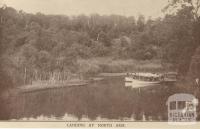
(107, 99)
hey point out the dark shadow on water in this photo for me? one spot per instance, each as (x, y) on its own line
(108, 99)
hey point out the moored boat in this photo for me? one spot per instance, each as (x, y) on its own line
(135, 80)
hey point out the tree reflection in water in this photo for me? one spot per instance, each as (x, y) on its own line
(108, 99)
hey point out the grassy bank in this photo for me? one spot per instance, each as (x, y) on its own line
(109, 65)
(88, 68)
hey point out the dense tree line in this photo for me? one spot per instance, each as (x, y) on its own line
(38, 46)
(5, 79)
(42, 47)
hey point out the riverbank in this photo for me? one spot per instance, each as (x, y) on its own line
(50, 85)
(111, 74)
(94, 66)
(96, 69)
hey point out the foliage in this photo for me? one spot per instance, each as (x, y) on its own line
(40, 45)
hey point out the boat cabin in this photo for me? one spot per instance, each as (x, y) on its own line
(145, 76)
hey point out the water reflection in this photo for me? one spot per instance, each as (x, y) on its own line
(108, 99)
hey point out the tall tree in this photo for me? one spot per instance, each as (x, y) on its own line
(141, 23)
(184, 40)
(5, 81)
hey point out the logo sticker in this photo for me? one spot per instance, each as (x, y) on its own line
(182, 108)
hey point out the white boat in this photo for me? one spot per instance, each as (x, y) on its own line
(136, 80)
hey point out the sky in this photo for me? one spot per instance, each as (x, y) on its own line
(148, 8)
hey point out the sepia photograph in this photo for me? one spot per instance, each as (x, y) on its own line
(100, 61)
